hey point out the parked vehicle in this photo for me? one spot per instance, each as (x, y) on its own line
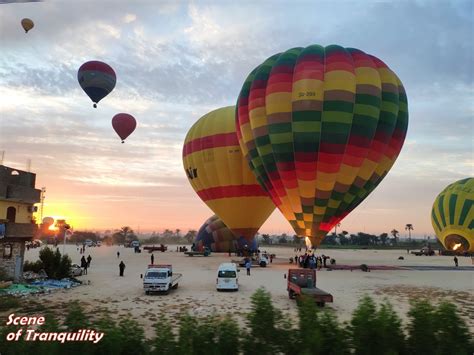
(89, 243)
(205, 252)
(160, 278)
(152, 248)
(260, 260)
(227, 277)
(134, 244)
(75, 270)
(303, 282)
(424, 251)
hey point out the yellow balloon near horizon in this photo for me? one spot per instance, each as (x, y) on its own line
(220, 175)
(452, 216)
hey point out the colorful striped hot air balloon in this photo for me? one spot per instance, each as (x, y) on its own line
(97, 79)
(220, 175)
(452, 216)
(320, 128)
(215, 235)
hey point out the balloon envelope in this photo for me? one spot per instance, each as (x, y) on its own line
(320, 128)
(48, 221)
(27, 24)
(452, 216)
(97, 79)
(124, 124)
(220, 176)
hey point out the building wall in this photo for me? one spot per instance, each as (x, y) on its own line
(22, 214)
(9, 264)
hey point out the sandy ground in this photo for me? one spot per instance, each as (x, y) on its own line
(196, 293)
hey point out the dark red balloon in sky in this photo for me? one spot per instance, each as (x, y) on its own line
(124, 124)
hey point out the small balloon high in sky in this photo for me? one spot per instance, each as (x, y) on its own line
(27, 24)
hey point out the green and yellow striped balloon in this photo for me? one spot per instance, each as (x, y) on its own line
(452, 216)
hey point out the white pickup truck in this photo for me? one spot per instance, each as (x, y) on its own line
(160, 278)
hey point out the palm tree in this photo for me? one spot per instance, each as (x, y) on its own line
(409, 228)
(395, 234)
(335, 228)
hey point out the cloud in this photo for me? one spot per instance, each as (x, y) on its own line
(177, 61)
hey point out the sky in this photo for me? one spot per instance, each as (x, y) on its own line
(175, 61)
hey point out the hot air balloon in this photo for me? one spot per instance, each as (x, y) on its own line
(48, 221)
(215, 235)
(320, 128)
(124, 124)
(452, 216)
(220, 176)
(97, 79)
(27, 24)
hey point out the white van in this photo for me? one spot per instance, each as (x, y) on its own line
(227, 277)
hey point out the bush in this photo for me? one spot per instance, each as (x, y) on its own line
(8, 302)
(56, 266)
(375, 331)
(36, 266)
(164, 342)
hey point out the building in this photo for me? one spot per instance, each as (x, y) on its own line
(17, 226)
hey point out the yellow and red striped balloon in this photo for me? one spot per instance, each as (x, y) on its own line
(220, 175)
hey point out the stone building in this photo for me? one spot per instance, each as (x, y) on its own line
(17, 226)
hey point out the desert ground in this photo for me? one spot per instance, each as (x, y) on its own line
(197, 294)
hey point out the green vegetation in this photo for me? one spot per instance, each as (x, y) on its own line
(373, 329)
(55, 265)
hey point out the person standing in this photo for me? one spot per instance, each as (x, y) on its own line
(121, 268)
(271, 258)
(84, 264)
(118, 254)
(152, 258)
(456, 261)
(89, 259)
(248, 265)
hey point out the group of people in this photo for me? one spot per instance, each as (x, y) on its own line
(85, 263)
(309, 260)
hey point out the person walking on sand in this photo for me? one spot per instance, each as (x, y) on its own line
(456, 261)
(248, 265)
(121, 268)
(118, 254)
(89, 259)
(152, 258)
(84, 264)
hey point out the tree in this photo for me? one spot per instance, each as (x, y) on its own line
(266, 238)
(452, 331)
(383, 237)
(164, 342)
(422, 328)
(177, 233)
(190, 236)
(395, 234)
(227, 334)
(124, 236)
(409, 228)
(262, 322)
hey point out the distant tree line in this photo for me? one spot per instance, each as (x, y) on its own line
(359, 239)
(372, 330)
